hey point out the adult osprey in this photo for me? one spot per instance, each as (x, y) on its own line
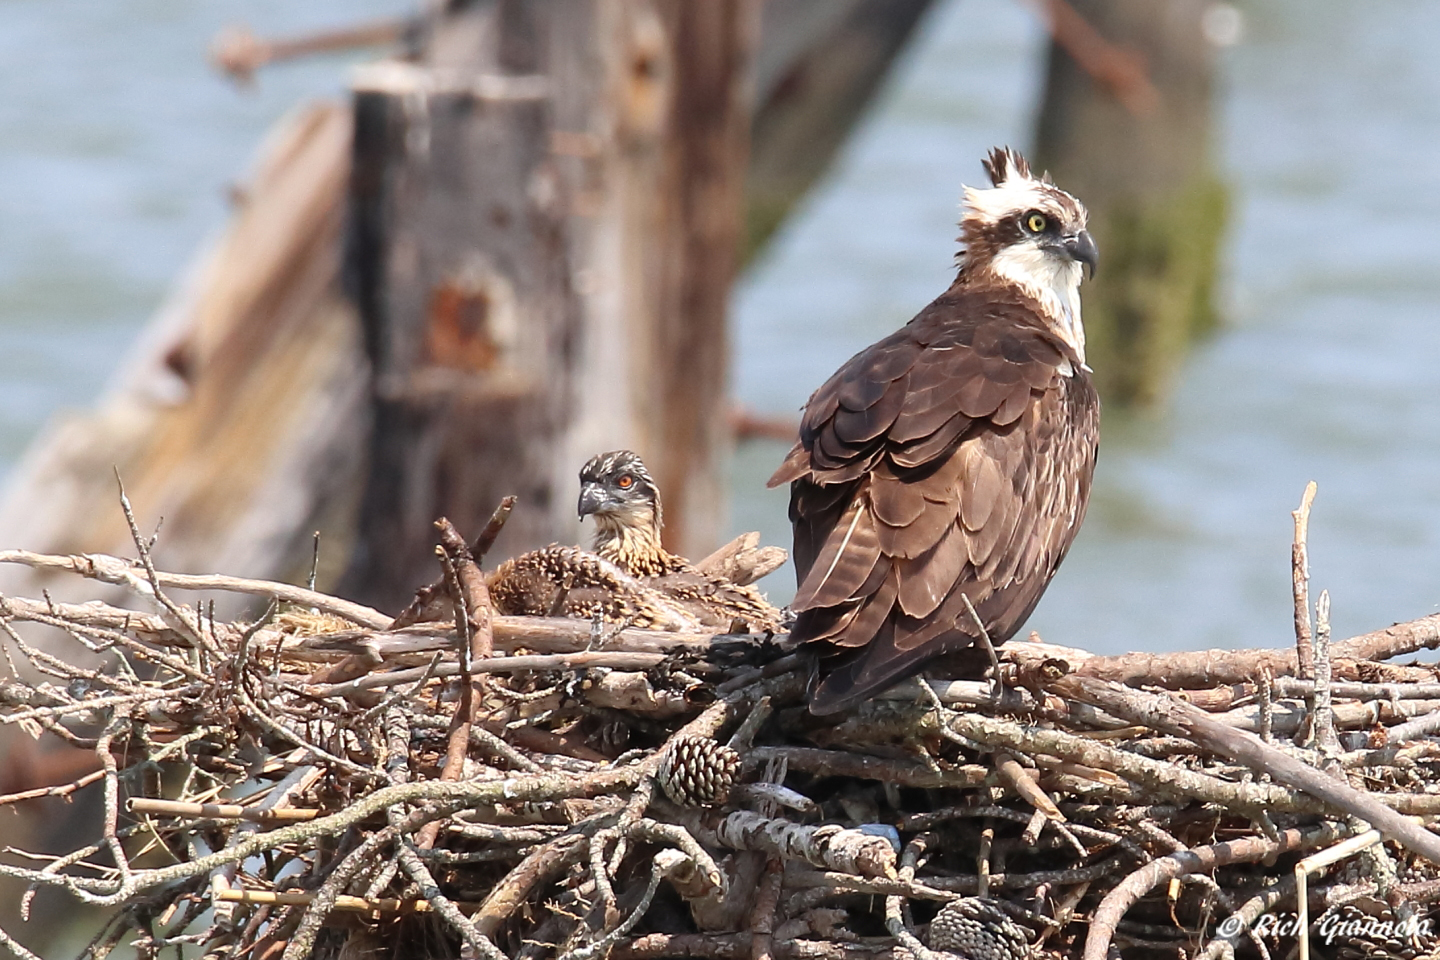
(952, 459)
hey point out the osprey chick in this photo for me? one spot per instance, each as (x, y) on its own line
(617, 490)
(567, 581)
(951, 460)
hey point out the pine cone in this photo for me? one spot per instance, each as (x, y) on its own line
(977, 928)
(698, 772)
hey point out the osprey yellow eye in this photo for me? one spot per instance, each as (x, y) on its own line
(1036, 222)
(625, 482)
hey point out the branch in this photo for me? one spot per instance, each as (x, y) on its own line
(107, 569)
(1198, 860)
(1181, 719)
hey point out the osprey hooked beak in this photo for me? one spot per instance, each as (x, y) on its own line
(593, 499)
(1081, 248)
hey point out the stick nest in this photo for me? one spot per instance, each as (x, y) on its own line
(316, 783)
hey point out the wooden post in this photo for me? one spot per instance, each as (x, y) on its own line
(667, 116)
(546, 224)
(457, 260)
(1125, 125)
(819, 66)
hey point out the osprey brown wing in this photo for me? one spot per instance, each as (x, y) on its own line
(950, 460)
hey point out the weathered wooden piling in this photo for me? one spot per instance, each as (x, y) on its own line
(632, 122)
(1126, 124)
(820, 66)
(545, 224)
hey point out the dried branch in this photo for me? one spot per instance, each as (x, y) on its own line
(830, 846)
(580, 775)
(1198, 860)
(106, 569)
(218, 811)
(1175, 716)
(1300, 577)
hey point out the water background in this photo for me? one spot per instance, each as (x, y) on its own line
(117, 144)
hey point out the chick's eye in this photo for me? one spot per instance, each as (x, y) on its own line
(1036, 222)
(625, 482)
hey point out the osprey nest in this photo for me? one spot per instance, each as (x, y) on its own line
(319, 782)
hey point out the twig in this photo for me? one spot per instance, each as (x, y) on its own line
(599, 947)
(1199, 859)
(346, 904)
(535, 634)
(219, 811)
(112, 796)
(1019, 778)
(830, 845)
(1414, 729)
(1165, 777)
(486, 539)
(1264, 695)
(894, 905)
(1181, 718)
(314, 561)
(762, 918)
(1319, 861)
(1325, 737)
(16, 947)
(1241, 921)
(59, 790)
(178, 618)
(411, 863)
(984, 640)
(838, 763)
(107, 569)
(467, 590)
(982, 860)
(554, 661)
(470, 589)
(324, 899)
(567, 849)
(1300, 579)
(928, 889)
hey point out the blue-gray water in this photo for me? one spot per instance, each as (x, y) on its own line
(117, 143)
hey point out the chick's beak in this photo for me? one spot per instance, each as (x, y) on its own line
(1081, 248)
(592, 498)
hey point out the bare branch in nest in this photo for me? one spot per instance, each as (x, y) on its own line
(466, 586)
(743, 561)
(97, 566)
(1354, 660)
(1176, 716)
(216, 811)
(565, 661)
(1198, 860)
(434, 600)
(560, 794)
(830, 846)
(1300, 577)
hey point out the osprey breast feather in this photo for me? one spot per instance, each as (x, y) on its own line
(952, 460)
